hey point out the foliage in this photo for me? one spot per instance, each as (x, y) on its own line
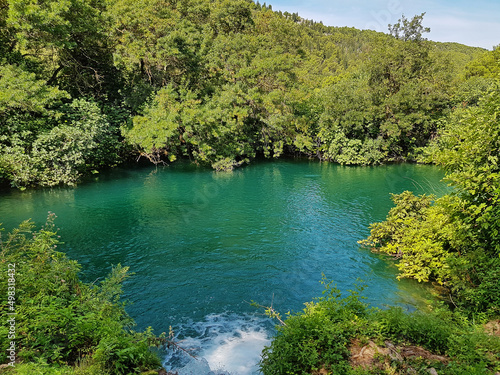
(67, 40)
(468, 150)
(455, 241)
(318, 336)
(389, 105)
(219, 82)
(59, 319)
(82, 141)
(409, 29)
(445, 333)
(418, 234)
(485, 65)
(21, 91)
(319, 339)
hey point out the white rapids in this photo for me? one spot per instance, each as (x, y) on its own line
(222, 344)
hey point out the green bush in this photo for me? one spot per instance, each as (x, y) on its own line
(419, 234)
(81, 141)
(126, 353)
(61, 320)
(318, 336)
(321, 335)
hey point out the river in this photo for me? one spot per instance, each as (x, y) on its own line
(203, 244)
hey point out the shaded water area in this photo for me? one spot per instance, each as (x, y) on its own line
(203, 244)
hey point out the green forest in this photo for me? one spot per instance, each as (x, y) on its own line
(86, 85)
(89, 84)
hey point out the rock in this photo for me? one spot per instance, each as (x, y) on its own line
(366, 354)
(394, 352)
(493, 328)
(432, 371)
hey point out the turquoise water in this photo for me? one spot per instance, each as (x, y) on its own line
(202, 244)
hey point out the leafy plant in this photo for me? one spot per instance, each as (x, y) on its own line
(454, 240)
(61, 320)
(318, 336)
(320, 339)
(81, 142)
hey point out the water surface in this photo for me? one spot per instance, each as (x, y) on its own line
(203, 244)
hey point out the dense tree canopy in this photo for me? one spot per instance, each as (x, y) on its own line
(220, 82)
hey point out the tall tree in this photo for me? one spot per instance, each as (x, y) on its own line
(407, 30)
(68, 38)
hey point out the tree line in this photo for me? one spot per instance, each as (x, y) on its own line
(89, 84)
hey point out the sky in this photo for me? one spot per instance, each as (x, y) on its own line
(471, 22)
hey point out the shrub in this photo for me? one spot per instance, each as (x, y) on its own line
(61, 320)
(317, 337)
(81, 142)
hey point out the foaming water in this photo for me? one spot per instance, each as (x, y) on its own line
(220, 344)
